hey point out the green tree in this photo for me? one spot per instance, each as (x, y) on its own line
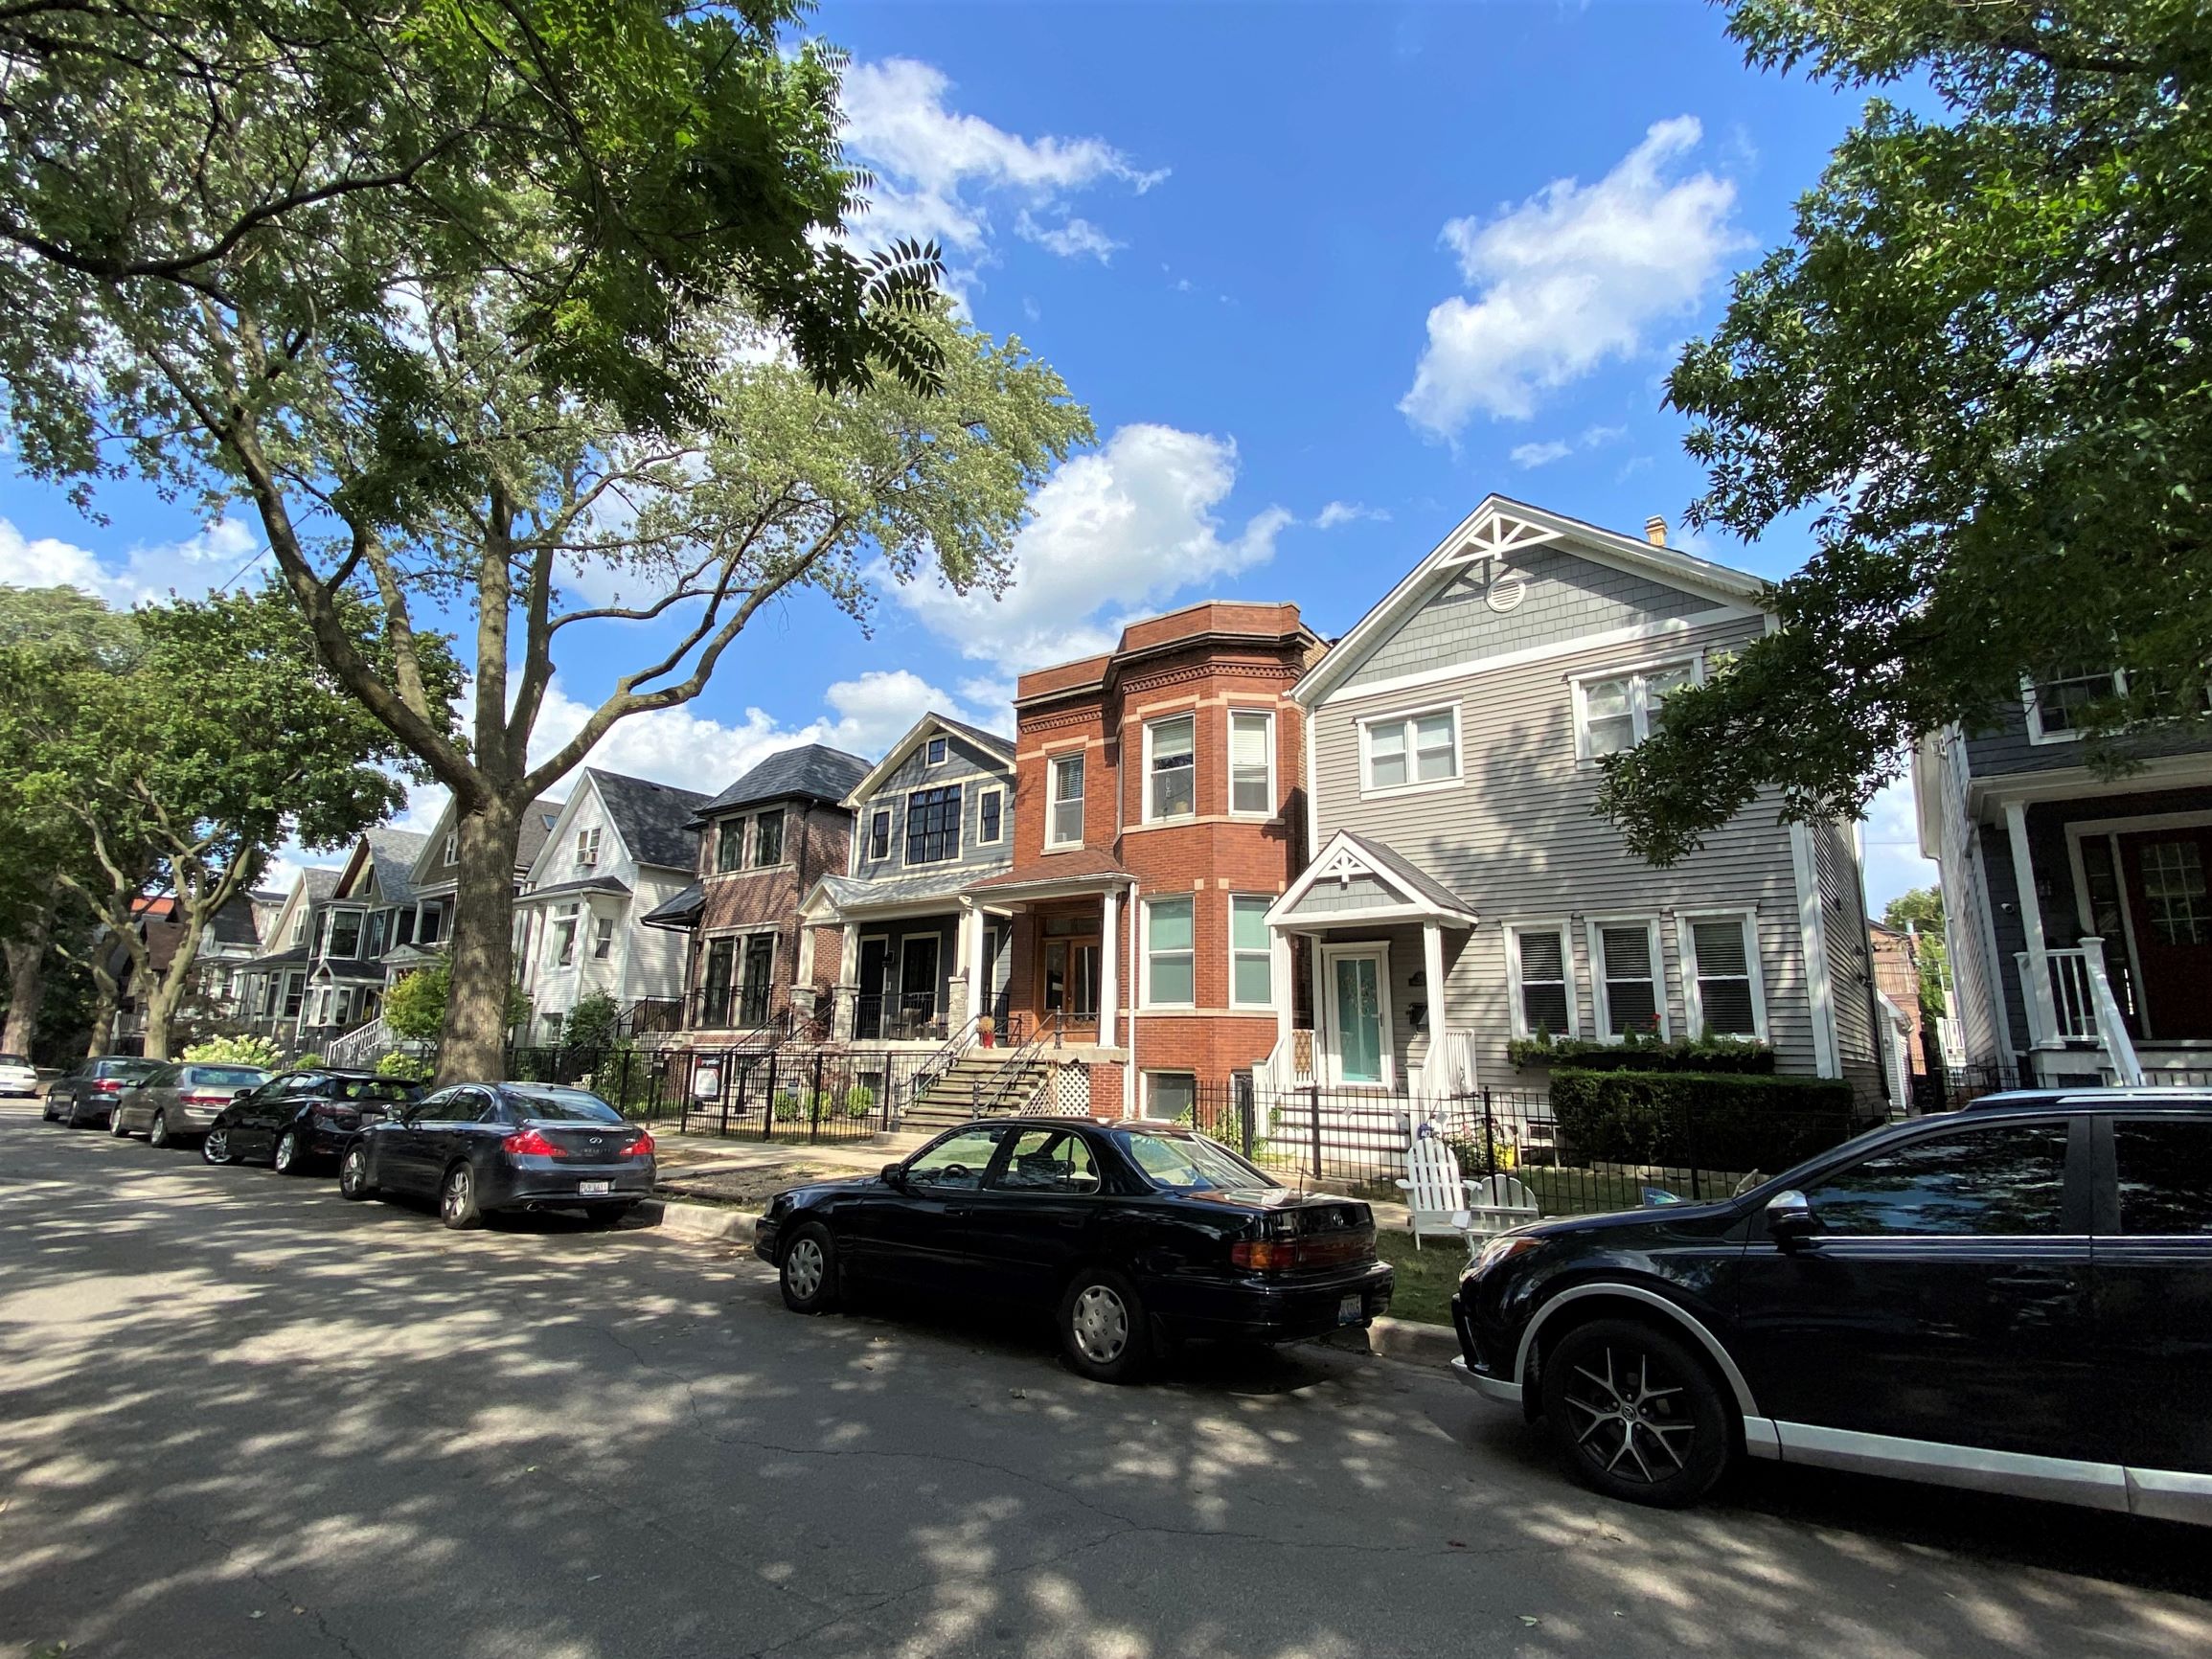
(1919, 912)
(500, 365)
(1978, 372)
(414, 1008)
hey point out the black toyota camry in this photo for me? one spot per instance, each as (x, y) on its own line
(1133, 1234)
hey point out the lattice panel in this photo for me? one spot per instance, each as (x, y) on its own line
(1071, 1092)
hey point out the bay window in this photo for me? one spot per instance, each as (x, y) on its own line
(1252, 764)
(1172, 768)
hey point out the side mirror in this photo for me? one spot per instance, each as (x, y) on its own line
(238, 1095)
(1791, 1221)
(895, 1176)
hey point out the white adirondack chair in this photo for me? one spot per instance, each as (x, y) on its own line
(1435, 1196)
(1497, 1203)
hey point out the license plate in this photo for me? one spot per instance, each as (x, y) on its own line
(599, 1190)
(1347, 1310)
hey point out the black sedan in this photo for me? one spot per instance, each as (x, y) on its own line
(1134, 1235)
(482, 1147)
(2013, 1298)
(302, 1118)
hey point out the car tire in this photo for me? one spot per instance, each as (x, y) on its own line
(70, 1119)
(157, 1131)
(808, 1275)
(1634, 1413)
(288, 1159)
(457, 1205)
(1104, 1329)
(215, 1146)
(353, 1174)
(115, 1125)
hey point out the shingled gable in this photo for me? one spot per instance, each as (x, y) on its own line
(655, 820)
(1000, 749)
(1401, 891)
(810, 772)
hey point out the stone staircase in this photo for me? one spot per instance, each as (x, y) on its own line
(982, 1082)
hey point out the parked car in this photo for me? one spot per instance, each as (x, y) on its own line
(1132, 1236)
(19, 1077)
(2015, 1297)
(175, 1102)
(483, 1147)
(302, 1117)
(84, 1095)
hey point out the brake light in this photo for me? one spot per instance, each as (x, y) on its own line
(203, 1098)
(530, 1144)
(1284, 1255)
(106, 1086)
(642, 1146)
(1263, 1255)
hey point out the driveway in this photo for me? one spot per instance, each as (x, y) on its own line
(240, 1417)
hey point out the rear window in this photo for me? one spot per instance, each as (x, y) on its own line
(13, 1061)
(577, 1104)
(130, 1070)
(229, 1076)
(1189, 1163)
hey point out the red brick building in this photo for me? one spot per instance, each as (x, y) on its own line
(1158, 811)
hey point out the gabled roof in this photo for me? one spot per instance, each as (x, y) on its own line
(1415, 894)
(852, 895)
(390, 854)
(234, 923)
(430, 868)
(655, 820)
(810, 772)
(569, 889)
(1496, 529)
(927, 726)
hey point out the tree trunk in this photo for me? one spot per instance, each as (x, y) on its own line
(107, 995)
(473, 1046)
(26, 986)
(165, 994)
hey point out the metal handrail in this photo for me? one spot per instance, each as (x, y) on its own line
(945, 1057)
(1016, 1063)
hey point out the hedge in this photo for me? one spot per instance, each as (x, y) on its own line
(1736, 1055)
(1710, 1120)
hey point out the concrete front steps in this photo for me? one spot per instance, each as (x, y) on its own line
(983, 1082)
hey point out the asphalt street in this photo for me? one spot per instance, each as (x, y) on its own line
(241, 1417)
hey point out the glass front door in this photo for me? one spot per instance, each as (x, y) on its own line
(1355, 1003)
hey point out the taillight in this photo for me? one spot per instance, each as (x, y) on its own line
(106, 1086)
(205, 1100)
(529, 1144)
(1284, 1255)
(1263, 1255)
(642, 1146)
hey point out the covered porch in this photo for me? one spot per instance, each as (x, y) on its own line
(917, 964)
(1063, 926)
(1380, 939)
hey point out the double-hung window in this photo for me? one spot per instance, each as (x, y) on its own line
(1064, 827)
(1252, 764)
(1251, 962)
(730, 845)
(345, 933)
(564, 924)
(935, 753)
(1616, 711)
(452, 848)
(1542, 968)
(879, 834)
(1170, 957)
(602, 938)
(2057, 704)
(587, 846)
(933, 825)
(377, 924)
(1632, 994)
(1405, 751)
(1720, 976)
(989, 817)
(767, 839)
(1172, 768)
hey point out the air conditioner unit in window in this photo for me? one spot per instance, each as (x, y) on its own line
(587, 855)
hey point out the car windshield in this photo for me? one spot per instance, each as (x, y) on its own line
(230, 1077)
(372, 1089)
(577, 1104)
(1189, 1163)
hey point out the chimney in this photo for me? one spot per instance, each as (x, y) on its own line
(1656, 531)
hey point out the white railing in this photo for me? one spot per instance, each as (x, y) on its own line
(1450, 1067)
(361, 1047)
(1289, 1065)
(2071, 1000)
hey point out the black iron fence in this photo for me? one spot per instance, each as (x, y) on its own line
(1356, 1142)
(811, 1094)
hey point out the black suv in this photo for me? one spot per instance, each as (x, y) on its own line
(2015, 1297)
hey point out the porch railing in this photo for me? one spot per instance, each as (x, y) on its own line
(1449, 1069)
(2070, 1003)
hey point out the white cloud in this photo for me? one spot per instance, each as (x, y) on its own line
(1569, 278)
(1529, 455)
(144, 574)
(1893, 864)
(936, 169)
(1338, 513)
(1112, 532)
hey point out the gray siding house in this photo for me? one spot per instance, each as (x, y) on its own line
(2078, 903)
(934, 815)
(1463, 893)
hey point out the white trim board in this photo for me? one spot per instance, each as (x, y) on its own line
(1473, 666)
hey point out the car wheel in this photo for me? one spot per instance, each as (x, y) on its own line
(215, 1146)
(157, 1131)
(115, 1125)
(287, 1159)
(354, 1173)
(809, 1275)
(1634, 1413)
(70, 1117)
(457, 1199)
(1102, 1327)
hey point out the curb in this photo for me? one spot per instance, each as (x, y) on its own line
(1405, 1340)
(706, 1223)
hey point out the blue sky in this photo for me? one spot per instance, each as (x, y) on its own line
(1325, 277)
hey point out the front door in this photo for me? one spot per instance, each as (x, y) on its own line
(868, 1018)
(1071, 980)
(1355, 999)
(2171, 907)
(758, 980)
(916, 985)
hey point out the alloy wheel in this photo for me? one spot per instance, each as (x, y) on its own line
(217, 1148)
(805, 1267)
(354, 1173)
(453, 1201)
(157, 1131)
(1101, 1324)
(287, 1152)
(1632, 1419)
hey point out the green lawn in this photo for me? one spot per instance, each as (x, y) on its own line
(1426, 1276)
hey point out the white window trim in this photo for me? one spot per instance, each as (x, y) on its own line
(1406, 717)
(1265, 902)
(1564, 928)
(1149, 816)
(1052, 839)
(982, 795)
(452, 848)
(1145, 947)
(939, 741)
(1638, 710)
(574, 915)
(1686, 942)
(1230, 767)
(2033, 704)
(1325, 960)
(606, 929)
(1593, 936)
(890, 821)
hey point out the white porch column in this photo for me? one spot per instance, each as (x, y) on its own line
(2038, 990)
(1433, 1064)
(1279, 977)
(971, 955)
(804, 973)
(1110, 979)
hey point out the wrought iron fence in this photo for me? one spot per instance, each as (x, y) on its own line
(1356, 1142)
(813, 1095)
